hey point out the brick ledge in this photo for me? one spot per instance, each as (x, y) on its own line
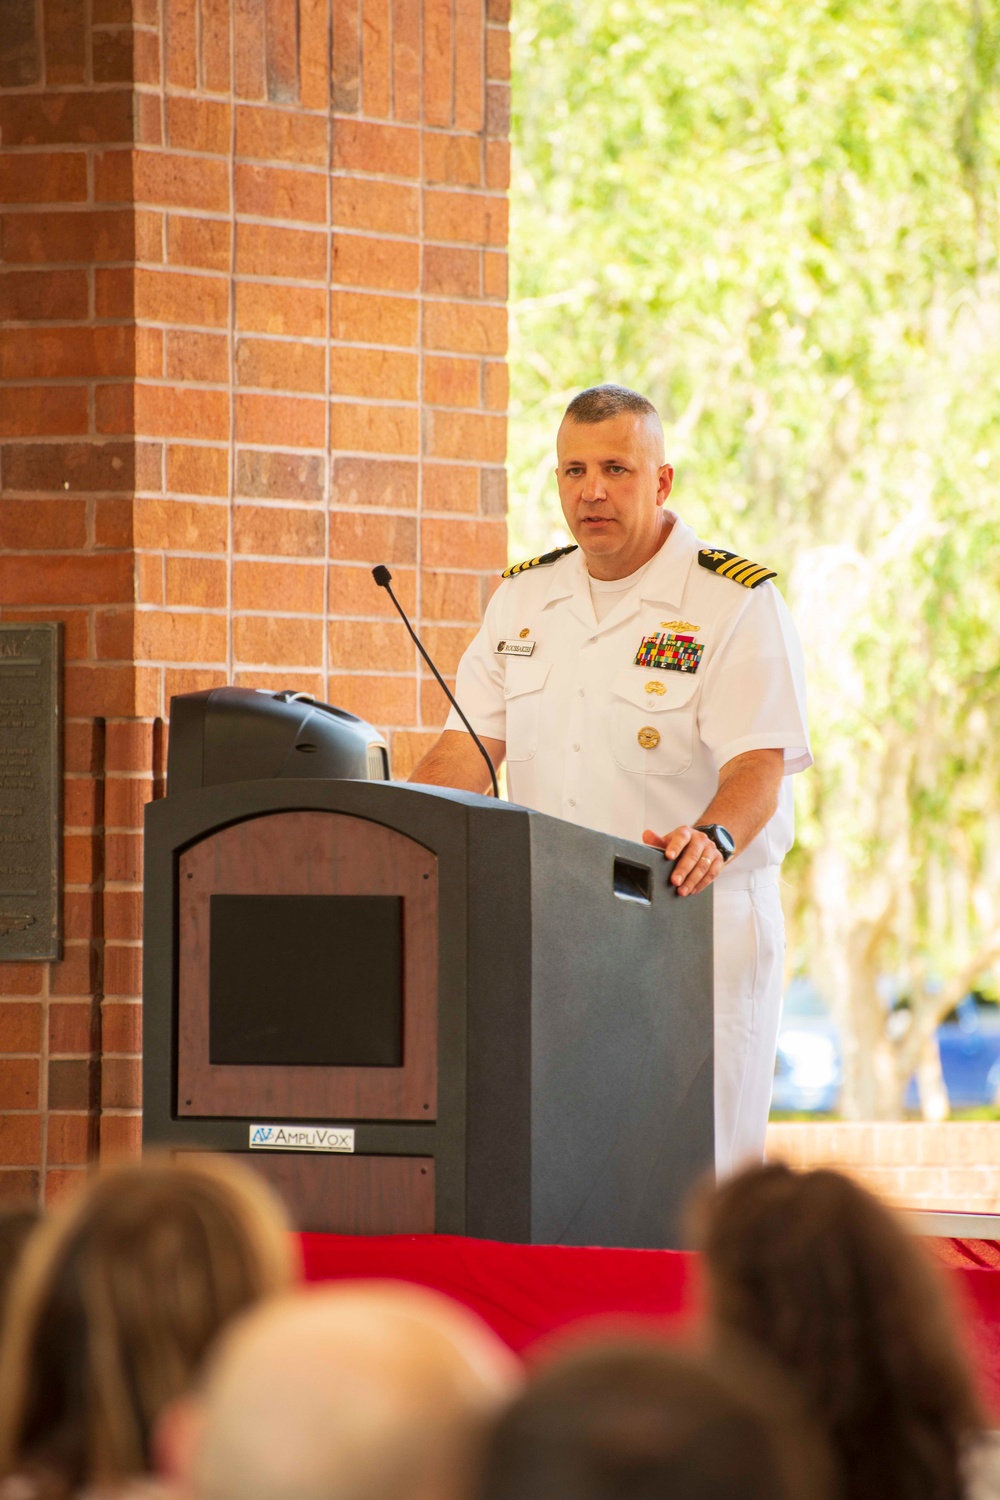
(952, 1167)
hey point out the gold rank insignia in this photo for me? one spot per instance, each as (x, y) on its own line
(730, 565)
(648, 737)
(538, 562)
(524, 633)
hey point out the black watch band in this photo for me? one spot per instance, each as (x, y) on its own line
(721, 838)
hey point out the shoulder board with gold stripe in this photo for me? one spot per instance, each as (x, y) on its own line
(739, 569)
(538, 562)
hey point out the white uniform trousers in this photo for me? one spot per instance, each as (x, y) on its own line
(749, 965)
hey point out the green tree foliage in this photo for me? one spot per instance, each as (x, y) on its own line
(780, 220)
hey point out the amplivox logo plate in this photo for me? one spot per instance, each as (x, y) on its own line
(301, 1138)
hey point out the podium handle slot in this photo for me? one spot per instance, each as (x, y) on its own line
(633, 882)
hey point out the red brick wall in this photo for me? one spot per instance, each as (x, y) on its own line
(253, 343)
(950, 1167)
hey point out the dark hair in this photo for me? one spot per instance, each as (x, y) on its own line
(601, 402)
(114, 1303)
(825, 1278)
(638, 1421)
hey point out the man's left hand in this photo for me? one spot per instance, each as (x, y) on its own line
(698, 859)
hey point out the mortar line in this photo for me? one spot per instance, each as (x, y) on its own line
(231, 467)
(328, 364)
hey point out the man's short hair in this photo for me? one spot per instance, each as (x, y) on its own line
(602, 402)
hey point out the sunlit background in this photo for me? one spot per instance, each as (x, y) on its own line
(780, 222)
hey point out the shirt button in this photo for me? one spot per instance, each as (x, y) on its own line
(580, 691)
(572, 802)
(576, 747)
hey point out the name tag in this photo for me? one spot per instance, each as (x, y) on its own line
(514, 648)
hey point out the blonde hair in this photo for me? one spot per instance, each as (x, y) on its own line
(116, 1301)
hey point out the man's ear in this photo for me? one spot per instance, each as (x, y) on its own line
(175, 1442)
(665, 483)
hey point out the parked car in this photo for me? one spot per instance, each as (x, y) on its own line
(969, 1041)
(808, 1070)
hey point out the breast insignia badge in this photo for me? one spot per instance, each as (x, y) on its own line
(669, 651)
(648, 737)
(731, 565)
(656, 687)
(524, 633)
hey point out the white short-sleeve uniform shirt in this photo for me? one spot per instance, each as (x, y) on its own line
(603, 732)
(598, 738)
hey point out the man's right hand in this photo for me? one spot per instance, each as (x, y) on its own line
(455, 761)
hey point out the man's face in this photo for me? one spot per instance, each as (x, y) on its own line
(612, 485)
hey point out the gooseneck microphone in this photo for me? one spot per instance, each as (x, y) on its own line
(383, 578)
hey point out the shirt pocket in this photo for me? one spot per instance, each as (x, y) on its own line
(523, 695)
(653, 733)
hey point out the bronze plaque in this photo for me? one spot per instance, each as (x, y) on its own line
(30, 792)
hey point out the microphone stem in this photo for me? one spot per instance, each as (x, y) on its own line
(445, 689)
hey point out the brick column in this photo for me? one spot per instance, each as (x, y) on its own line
(253, 289)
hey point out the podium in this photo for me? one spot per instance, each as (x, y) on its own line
(500, 1022)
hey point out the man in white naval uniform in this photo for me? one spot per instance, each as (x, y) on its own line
(651, 686)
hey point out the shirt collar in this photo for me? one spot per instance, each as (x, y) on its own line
(667, 576)
(663, 582)
(570, 581)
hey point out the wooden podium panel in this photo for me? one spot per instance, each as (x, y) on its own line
(337, 1194)
(308, 853)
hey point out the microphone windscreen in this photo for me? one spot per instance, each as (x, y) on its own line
(381, 575)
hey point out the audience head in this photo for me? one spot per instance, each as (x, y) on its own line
(16, 1226)
(360, 1391)
(640, 1421)
(116, 1300)
(827, 1280)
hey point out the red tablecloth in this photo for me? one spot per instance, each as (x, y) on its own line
(965, 1254)
(528, 1291)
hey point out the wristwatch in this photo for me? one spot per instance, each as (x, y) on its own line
(721, 838)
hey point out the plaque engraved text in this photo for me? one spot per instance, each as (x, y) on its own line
(30, 792)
